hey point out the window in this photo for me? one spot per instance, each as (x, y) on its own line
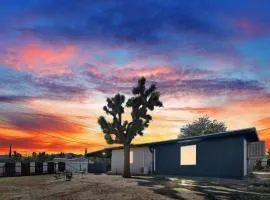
(188, 155)
(131, 157)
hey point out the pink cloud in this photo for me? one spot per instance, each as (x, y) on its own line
(94, 71)
(245, 25)
(202, 110)
(251, 27)
(153, 72)
(40, 59)
(158, 72)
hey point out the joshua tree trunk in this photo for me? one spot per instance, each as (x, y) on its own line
(126, 173)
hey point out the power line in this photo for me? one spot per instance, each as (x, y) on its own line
(67, 139)
(62, 119)
(42, 114)
(48, 115)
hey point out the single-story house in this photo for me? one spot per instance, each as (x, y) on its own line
(223, 155)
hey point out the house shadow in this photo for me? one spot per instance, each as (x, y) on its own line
(159, 185)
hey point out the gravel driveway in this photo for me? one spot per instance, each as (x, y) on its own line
(110, 187)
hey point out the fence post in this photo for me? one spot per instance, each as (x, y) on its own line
(45, 168)
(2, 166)
(18, 168)
(32, 168)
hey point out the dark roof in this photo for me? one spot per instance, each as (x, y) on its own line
(100, 153)
(249, 133)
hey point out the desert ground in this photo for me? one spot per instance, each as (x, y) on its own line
(110, 187)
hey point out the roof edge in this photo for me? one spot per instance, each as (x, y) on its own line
(244, 132)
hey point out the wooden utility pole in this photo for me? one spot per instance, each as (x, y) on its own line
(10, 151)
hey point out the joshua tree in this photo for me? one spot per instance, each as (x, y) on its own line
(122, 131)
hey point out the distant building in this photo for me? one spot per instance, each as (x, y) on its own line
(73, 165)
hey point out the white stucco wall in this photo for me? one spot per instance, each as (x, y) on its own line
(142, 158)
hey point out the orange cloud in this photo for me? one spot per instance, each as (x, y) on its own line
(264, 126)
(201, 110)
(158, 71)
(265, 122)
(265, 135)
(40, 59)
(236, 115)
(38, 122)
(166, 72)
(84, 128)
(39, 143)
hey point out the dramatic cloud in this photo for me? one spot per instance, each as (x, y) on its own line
(264, 127)
(40, 59)
(251, 28)
(201, 110)
(157, 73)
(42, 123)
(39, 144)
(66, 60)
(20, 143)
(59, 88)
(171, 28)
(118, 20)
(13, 98)
(256, 114)
(173, 80)
(265, 122)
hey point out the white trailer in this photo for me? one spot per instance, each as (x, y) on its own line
(75, 164)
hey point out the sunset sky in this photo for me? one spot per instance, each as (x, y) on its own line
(60, 59)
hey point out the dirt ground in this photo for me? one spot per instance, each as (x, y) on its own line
(110, 187)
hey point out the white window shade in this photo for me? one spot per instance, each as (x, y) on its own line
(131, 157)
(188, 155)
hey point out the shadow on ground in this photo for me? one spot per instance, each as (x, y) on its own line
(183, 188)
(159, 185)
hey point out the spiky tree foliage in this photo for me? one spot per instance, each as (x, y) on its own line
(121, 131)
(202, 126)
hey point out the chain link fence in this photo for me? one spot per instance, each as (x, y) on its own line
(28, 168)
